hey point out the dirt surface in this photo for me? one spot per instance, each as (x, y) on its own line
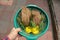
(7, 13)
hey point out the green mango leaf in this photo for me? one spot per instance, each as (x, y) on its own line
(19, 22)
(32, 24)
(42, 17)
(42, 25)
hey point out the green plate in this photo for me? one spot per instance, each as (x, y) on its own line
(31, 36)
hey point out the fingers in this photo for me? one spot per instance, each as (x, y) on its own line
(14, 32)
(18, 29)
(16, 38)
(22, 38)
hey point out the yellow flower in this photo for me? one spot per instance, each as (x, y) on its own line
(28, 29)
(35, 30)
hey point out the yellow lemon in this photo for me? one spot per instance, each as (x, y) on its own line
(28, 29)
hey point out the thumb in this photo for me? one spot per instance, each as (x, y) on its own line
(18, 29)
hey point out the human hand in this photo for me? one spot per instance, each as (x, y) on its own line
(14, 33)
